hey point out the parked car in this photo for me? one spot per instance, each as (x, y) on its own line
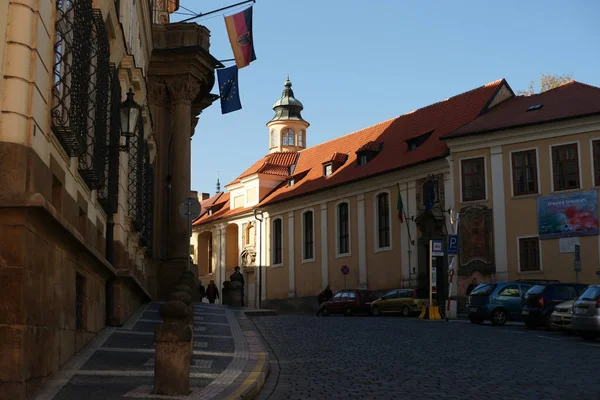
(586, 313)
(541, 299)
(348, 302)
(403, 301)
(497, 302)
(560, 319)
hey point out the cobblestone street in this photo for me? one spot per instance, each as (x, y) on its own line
(396, 358)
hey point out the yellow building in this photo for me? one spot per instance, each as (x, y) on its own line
(302, 212)
(86, 228)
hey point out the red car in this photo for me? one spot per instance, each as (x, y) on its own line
(348, 302)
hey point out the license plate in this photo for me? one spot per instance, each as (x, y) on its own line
(473, 309)
(525, 312)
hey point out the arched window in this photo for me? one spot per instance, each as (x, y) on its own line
(287, 137)
(301, 139)
(383, 220)
(274, 138)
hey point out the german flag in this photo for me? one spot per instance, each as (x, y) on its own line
(239, 28)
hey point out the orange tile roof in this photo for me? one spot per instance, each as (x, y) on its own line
(369, 146)
(441, 118)
(571, 100)
(337, 157)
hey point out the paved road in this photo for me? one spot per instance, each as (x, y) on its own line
(404, 358)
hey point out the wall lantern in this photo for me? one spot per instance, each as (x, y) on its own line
(130, 114)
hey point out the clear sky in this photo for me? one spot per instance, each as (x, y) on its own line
(355, 63)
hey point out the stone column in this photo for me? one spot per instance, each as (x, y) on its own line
(499, 212)
(362, 244)
(182, 92)
(324, 248)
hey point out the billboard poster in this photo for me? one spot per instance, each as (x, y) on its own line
(568, 215)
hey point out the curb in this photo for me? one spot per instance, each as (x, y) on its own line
(260, 313)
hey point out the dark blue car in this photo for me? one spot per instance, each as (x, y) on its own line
(497, 302)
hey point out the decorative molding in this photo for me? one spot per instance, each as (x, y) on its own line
(157, 94)
(183, 90)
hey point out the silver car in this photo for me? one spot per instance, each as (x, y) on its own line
(586, 313)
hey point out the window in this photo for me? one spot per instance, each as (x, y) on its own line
(524, 166)
(277, 241)
(288, 137)
(596, 153)
(210, 255)
(473, 179)
(327, 169)
(338, 296)
(362, 159)
(565, 167)
(383, 220)
(529, 254)
(510, 291)
(343, 229)
(301, 139)
(80, 302)
(430, 191)
(416, 142)
(274, 141)
(308, 230)
(351, 295)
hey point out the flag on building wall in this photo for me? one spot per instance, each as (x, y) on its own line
(228, 89)
(430, 199)
(400, 207)
(239, 28)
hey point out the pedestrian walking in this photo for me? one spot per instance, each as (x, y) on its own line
(201, 290)
(238, 277)
(325, 295)
(212, 292)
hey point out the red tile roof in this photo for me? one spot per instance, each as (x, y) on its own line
(441, 118)
(337, 157)
(571, 100)
(369, 146)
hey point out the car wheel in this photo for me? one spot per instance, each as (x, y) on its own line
(348, 312)
(498, 317)
(476, 320)
(375, 311)
(405, 311)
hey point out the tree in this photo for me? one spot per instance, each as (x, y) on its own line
(547, 82)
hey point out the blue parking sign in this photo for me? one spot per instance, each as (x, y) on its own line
(452, 245)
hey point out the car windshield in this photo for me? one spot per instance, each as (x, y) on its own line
(592, 293)
(484, 289)
(537, 289)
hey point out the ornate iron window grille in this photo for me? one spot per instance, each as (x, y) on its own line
(74, 26)
(108, 193)
(133, 199)
(92, 159)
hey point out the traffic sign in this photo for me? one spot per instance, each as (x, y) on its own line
(190, 208)
(345, 269)
(437, 248)
(452, 245)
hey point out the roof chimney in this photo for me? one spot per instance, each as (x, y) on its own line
(205, 196)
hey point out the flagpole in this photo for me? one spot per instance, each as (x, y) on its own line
(216, 11)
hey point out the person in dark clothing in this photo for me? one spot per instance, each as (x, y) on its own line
(212, 292)
(325, 295)
(471, 286)
(238, 277)
(201, 290)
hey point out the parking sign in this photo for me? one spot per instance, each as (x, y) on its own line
(437, 248)
(452, 245)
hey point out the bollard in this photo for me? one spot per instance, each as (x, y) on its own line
(192, 283)
(187, 300)
(183, 288)
(172, 339)
(225, 293)
(235, 294)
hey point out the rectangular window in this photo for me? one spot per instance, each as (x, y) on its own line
(565, 167)
(596, 150)
(327, 169)
(80, 302)
(383, 220)
(308, 235)
(210, 255)
(524, 166)
(529, 254)
(277, 242)
(343, 229)
(473, 179)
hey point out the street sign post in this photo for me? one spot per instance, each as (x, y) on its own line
(452, 245)
(437, 248)
(345, 271)
(577, 263)
(189, 209)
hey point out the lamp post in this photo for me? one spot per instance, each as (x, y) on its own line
(258, 215)
(130, 115)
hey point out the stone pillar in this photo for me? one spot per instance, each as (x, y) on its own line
(499, 213)
(182, 92)
(362, 244)
(291, 260)
(223, 248)
(324, 248)
(173, 338)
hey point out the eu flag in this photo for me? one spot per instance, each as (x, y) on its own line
(228, 89)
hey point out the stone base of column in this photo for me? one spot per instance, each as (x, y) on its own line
(169, 272)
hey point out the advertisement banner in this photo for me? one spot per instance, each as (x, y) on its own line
(568, 215)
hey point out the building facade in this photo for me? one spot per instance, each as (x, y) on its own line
(296, 216)
(86, 233)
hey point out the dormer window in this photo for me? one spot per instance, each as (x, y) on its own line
(327, 169)
(287, 137)
(416, 142)
(367, 152)
(291, 182)
(210, 212)
(362, 159)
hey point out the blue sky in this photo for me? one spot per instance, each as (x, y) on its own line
(355, 63)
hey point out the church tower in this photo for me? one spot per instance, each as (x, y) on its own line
(287, 129)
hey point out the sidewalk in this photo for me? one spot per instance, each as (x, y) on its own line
(230, 360)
